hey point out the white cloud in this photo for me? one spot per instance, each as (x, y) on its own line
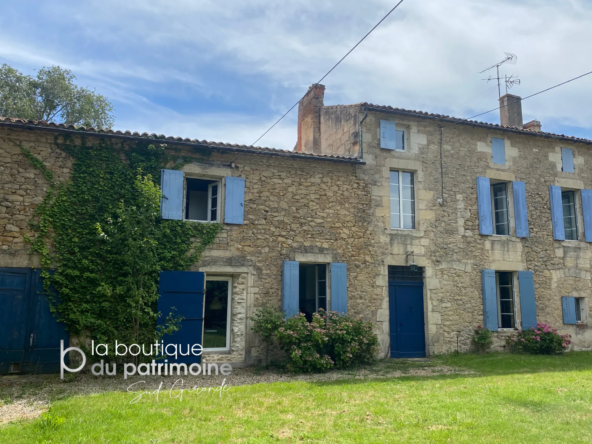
(250, 61)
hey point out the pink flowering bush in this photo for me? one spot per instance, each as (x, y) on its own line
(329, 341)
(542, 340)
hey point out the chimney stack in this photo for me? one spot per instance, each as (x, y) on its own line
(309, 120)
(533, 125)
(511, 110)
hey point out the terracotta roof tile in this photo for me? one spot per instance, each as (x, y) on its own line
(41, 124)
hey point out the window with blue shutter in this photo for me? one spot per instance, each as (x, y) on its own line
(181, 293)
(569, 310)
(290, 288)
(567, 160)
(171, 203)
(498, 150)
(587, 210)
(234, 206)
(488, 288)
(484, 206)
(557, 212)
(388, 135)
(520, 212)
(339, 287)
(527, 299)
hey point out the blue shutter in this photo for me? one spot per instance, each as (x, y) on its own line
(520, 212)
(183, 291)
(484, 205)
(234, 206)
(527, 300)
(567, 160)
(291, 288)
(171, 203)
(569, 310)
(557, 212)
(587, 210)
(339, 287)
(488, 288)
(498, 150)
(388, 135)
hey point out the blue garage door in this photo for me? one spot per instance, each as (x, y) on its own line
(29, 333)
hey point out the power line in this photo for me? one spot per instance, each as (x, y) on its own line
(532, 95)
(329, 72)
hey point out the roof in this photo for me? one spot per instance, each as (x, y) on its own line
(456, 120)
(135, 136)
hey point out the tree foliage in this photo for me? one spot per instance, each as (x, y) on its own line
(103, 232)
(52, 96)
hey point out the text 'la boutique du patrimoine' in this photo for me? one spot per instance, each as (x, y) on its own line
(173, 351)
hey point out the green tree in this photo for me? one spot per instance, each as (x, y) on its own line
(52, 96)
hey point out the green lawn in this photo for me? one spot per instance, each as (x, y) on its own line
(507, 399)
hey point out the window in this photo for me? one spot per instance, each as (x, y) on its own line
(498, 150)
(402, 200)
(568, 200)
(499, 206)
(567, 163)
(217, 313)
(313, 288)
(505, 299)
(400, 136)
(579, 309)
(202, 200)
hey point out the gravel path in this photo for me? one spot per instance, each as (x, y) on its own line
(28, 396)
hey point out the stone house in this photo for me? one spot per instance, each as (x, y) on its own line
(424, 224)
(496, 219)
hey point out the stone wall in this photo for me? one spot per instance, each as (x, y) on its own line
(446, 240)
(302, 209)
(339, 130)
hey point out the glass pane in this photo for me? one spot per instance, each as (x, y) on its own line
(507, 321)
(394, 185)
(216, 314)
(408, 201)
(408, 221)
(500, 209)
(214, 190)
(578, 310)
(400, 140)
(506, 307)
(322, 281)
(504, 278)
(569, 215)
(323, 303)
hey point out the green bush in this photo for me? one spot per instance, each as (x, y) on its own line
(482, 339)
(542, 340)
(329, 341)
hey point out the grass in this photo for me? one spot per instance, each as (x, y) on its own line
(506, 399)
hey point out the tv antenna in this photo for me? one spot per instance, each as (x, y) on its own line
(509, 81)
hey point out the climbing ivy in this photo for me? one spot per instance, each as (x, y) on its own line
(102, 233)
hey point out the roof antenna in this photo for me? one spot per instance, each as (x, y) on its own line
(509, 81)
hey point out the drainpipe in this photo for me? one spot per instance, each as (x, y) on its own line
(441, 200)
(361, 138)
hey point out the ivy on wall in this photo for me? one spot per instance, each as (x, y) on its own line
(103, 233)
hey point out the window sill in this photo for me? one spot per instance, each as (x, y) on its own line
(402, 229)
(202, 221)
(216, 351)
(507, 329)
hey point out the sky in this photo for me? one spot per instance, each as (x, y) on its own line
(226, 70)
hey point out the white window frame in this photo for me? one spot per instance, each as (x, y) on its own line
(317, 287)
(581, 310)
(507, 208)
(209, 207)
(413, 177)
(228, 314)
(576, 212)
(499, 304)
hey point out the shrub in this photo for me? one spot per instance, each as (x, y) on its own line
(266, 322)
(329, 340)
(482, 339)
(542, 340)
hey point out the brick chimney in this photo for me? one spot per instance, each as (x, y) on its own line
(511, 110)
(309, 120)
(533, 125)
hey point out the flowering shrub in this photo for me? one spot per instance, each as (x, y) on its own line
(482, 339)
(329, 340)
(542, 340)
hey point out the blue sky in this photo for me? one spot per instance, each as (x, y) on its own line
(226, 70)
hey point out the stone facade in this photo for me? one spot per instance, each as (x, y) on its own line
(302, 208)
(446, 241)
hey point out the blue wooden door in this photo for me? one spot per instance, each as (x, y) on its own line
(407, 320)
(43, 334)
(14, 291)
(182, 293)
